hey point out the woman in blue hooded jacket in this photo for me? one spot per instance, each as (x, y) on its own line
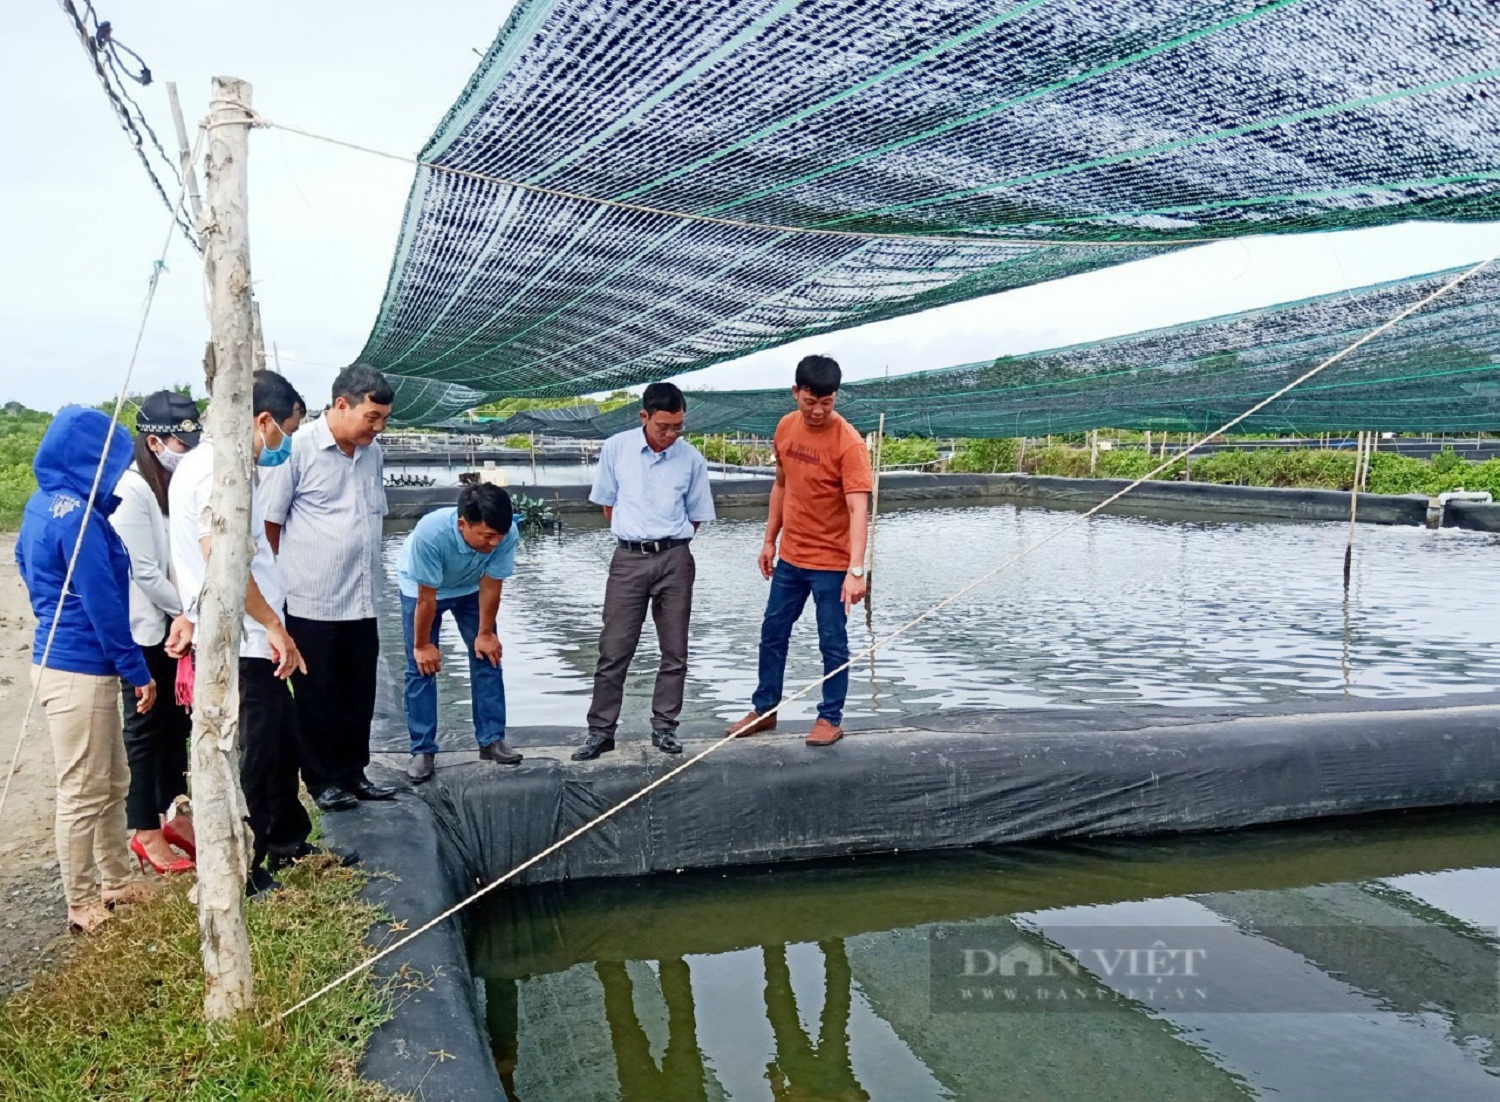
(77, 678)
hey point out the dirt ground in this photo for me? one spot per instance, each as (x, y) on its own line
(32, 912)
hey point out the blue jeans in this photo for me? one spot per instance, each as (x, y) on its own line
(487, 683)
(790, 586)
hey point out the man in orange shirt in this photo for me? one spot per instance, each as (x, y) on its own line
(820, 509)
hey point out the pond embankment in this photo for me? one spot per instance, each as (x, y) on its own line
(1181, 498)
(937, 782)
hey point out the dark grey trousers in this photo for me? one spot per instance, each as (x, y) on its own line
(664, 582)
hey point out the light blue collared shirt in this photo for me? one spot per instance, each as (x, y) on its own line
(654, 495)
(435, 555)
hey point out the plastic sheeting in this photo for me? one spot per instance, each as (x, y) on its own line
(956, 779)
(964, 779)
(555, 239)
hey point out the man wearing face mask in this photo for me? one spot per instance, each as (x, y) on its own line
(323, 512)
(268, 655)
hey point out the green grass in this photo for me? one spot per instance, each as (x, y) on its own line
(121, 1017)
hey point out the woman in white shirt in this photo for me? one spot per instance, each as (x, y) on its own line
(156, 742)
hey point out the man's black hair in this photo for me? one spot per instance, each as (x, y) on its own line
(819, 374)
(488, 505)
(274, 395)
(663, 398)
(358, 382)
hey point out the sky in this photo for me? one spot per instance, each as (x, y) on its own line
(83, 226)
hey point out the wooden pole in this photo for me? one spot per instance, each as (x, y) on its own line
(1093, 451)
(220, 814)
(533, 459)
(874, 515)
(1359, 451)
(185, 154)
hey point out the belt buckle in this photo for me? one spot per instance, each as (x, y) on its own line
(655, 546)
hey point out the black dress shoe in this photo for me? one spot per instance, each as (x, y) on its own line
(665, 741)
(260, 881)
(334, 798)
(420, 768)
(593, 746)
(499, 753)
(364, 790)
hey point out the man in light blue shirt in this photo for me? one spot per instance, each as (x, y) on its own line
(654, 488)
(455, 561)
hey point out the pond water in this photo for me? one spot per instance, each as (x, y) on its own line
(1352, 961)
(1122, 609)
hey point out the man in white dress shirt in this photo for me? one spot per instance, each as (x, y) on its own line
(323, 512)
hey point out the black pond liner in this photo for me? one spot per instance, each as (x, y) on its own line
(1190, 498)
(961, 778)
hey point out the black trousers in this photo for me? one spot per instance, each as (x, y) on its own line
(335, 698)
(268, 761)
(156, 744)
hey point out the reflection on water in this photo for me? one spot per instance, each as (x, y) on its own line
(1120, 610)
(827, 982)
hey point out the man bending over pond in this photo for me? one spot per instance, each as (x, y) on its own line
(456, 561)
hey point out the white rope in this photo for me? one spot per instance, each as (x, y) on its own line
(934, 610)
(157, 268)
(768, 227)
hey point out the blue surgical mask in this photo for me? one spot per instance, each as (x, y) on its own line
(274, 457)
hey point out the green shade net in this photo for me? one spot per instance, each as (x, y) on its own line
(989, 145)
(1436, 371)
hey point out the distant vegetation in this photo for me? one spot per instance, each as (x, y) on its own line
(1309, 468)
(505, 407)
(21, 432)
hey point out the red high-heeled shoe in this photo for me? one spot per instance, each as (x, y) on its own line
(182, 864)
(174, 836)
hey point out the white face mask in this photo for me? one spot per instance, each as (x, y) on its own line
(169, 458)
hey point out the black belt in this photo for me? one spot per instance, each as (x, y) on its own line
(651, 547)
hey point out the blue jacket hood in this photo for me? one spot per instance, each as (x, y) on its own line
(69, 453)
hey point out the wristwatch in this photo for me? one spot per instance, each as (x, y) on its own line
(856, 572)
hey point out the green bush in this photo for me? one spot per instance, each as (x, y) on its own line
(907, 451)
(1131, 464)
(1310, 469)
(20, 433)
(1398, 474)
(984, 456)
(718, 449)
(518, 441)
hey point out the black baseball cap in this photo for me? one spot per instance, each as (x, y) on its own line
(167, 413)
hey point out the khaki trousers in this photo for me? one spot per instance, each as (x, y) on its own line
(83, 714)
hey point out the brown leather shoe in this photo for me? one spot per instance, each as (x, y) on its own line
(753, 723)
(824, 734)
